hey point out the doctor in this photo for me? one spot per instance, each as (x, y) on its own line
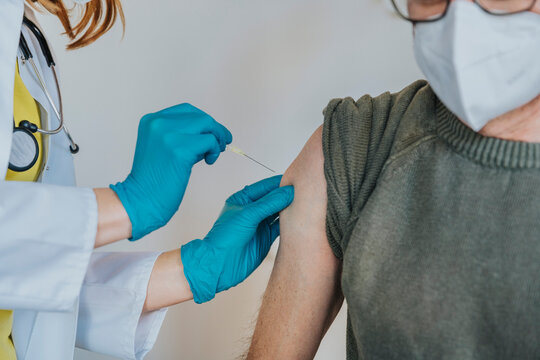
(55, 291)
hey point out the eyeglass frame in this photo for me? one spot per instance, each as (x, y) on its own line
(533, 2)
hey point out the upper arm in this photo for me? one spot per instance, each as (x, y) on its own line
(303, 295)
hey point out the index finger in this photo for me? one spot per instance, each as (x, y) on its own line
(256, 191)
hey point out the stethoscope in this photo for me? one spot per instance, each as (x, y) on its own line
(25, 149)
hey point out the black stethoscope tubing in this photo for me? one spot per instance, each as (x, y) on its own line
(27, 56)
(41, 40)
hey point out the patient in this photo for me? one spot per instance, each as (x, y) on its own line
(431, 229)
(428, 224)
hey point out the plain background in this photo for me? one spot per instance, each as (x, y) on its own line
(265, 69)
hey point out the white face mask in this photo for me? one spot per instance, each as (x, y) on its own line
(480, 65)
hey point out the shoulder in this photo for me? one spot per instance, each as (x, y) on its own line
(339, 165)
(360, 136)
(409, 109)
(386, 123)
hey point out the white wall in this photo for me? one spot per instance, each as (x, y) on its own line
(265, 69)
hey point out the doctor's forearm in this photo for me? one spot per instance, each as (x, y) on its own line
(168, 285)
(113, 220)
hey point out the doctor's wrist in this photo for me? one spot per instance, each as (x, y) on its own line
(202, 269)
(167, 286)
(113, 220)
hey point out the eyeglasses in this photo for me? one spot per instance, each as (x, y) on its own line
(432, 10)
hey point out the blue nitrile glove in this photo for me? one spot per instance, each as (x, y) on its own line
(169, 143)
(239, 240)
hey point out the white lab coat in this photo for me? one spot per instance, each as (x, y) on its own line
(62, 293)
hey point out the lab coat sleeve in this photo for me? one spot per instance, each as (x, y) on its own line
(112, 298)
(47, 235)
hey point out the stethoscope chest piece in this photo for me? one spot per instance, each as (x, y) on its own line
(24, 148)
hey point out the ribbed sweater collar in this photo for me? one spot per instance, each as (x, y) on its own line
(485, 150)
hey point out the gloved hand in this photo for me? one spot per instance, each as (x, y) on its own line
(239, 240)
(169, 143)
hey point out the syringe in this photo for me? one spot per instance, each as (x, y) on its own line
(240, 152)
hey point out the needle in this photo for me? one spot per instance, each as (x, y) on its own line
(240, 152)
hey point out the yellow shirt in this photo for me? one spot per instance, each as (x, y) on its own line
(24, 108)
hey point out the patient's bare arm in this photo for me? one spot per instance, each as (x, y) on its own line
(303, 296)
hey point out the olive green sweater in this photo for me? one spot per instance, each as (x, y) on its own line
(438, 228)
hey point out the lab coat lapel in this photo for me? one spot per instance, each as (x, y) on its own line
(30, 327)
(31, 82)
(60, 346)
(58, 167)
(11, 13)
(29, 77)
(22, 330)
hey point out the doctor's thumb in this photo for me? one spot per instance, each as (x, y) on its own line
(272, 203)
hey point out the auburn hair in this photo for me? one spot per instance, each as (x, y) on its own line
(97, 17)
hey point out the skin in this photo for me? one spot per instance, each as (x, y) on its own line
(521, 124)
(303, 295)
(113, 220)
(168, 285)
